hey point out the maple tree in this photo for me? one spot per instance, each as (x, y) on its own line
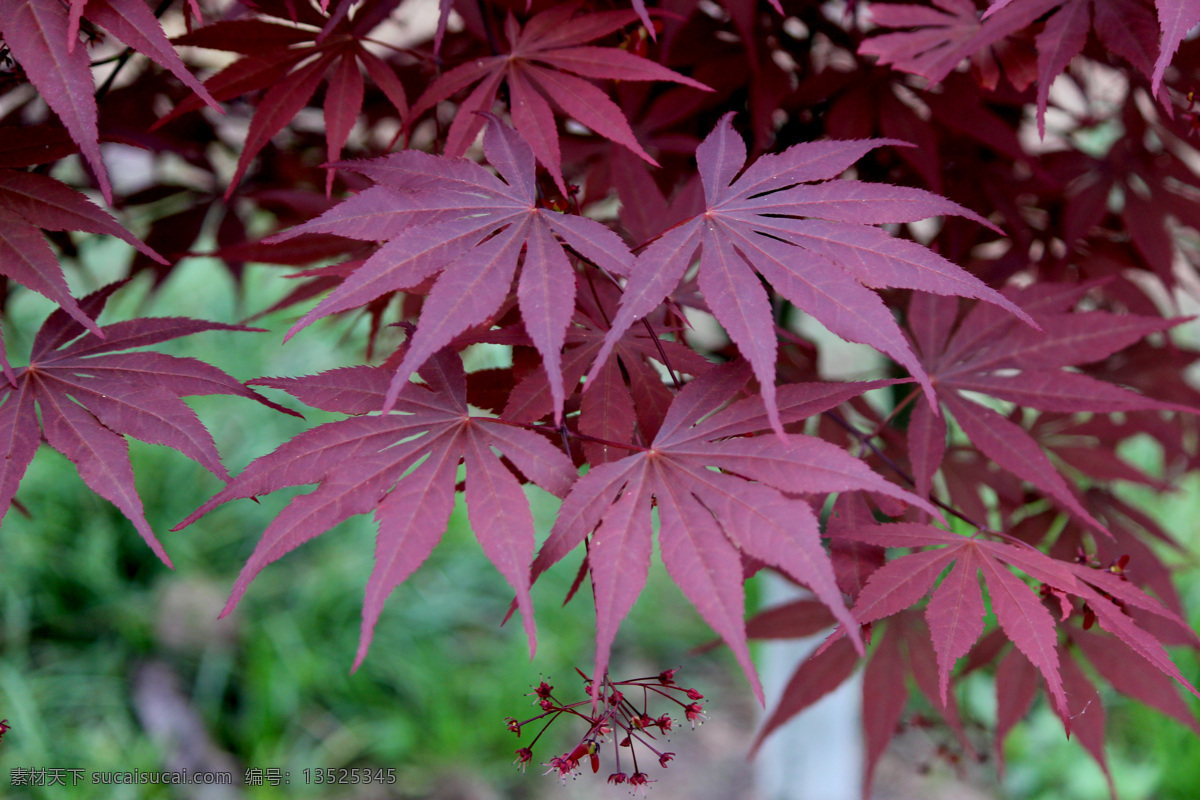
(1000, 199)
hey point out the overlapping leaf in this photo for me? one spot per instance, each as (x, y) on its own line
(709, 518)
(1176, 18)
(453, 217)
(29, 201)
(902, 651)
(89, 394)
(544, 58)
(955, 610)
(402, 467)
(814, 240)
(982, 355)
(290, 62)
(42, 35)
(936, 41)
(631, 391)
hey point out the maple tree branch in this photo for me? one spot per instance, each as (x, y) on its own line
(596, 297)
(903, 404)
(663, 354)
(583, 437)
(406, 51)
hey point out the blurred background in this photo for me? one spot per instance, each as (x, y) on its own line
(109, 661)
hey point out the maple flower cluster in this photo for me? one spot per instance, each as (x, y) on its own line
(616, 712)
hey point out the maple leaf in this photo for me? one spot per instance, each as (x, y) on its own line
(403, 467)
(955, 611)
(610, 411)
(1154, 188)
(1176, 18)
(939, 40)
(42, 34)
(544, 58)
(35, 31)
(709, 518)
(290, 62)
(452, 216)
(89, 394)
(1124, 669)
(981, 355)
(814, 240)
(1016, 688)
(29, 201)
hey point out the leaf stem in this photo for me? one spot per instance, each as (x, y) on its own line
(487, 27)
(899, 470)
(649, 330)
(529, 426)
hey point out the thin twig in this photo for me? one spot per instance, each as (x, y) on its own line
(899, 470)
(123, 59)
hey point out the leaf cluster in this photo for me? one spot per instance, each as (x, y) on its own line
(1000, 201)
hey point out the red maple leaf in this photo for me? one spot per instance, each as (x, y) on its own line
(955, 609)
(89, 393)
(451, 216)
(290, 62)
(709, 518)
(362, 465)
(1176, 18)
(42, 35)
(813, 239)
(29, 201)
(540, 68)
(937, 41)
(629, 390)
(981, 355)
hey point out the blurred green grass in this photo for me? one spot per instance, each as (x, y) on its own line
(86, 605)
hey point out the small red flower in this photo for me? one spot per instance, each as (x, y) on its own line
(611, 714)
(563, 765)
